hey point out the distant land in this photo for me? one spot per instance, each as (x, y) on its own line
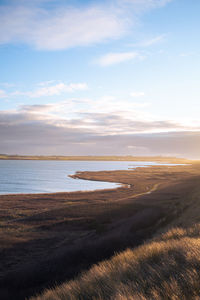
(97, 158)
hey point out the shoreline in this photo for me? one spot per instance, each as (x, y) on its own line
(93, 176)
(55, 236)
(77, 175)
(74, 176)
(64, 192)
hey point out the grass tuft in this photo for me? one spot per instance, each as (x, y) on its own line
(165, 268)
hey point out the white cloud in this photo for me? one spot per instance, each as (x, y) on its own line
(60, 28)
(116, 58)
(103, 127)
(52, 90)
(79, 108)
(121, 107)
(149, 41)
(153, 41)
(46, 83)
(66, 26)
(104, 115)
(59, 119)
(137, 94)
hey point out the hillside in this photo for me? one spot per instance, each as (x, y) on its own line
(164, 267)
(48, 240)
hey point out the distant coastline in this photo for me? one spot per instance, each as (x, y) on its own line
(97, 158)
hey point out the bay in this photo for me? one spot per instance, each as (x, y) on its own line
(30, 176)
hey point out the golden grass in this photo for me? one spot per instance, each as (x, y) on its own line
(165, 268)
(49, 238)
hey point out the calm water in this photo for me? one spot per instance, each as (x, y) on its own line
(20, 176)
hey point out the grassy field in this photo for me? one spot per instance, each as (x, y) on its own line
(164, 267)
(46, 240)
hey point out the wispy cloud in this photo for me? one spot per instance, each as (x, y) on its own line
(153, 41)
(52, 90)
(116, 58)
(68, 26)
(57, 89)
(148, 42)
(61, 28)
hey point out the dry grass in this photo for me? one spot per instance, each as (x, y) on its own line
(48, 239)
(165, 268)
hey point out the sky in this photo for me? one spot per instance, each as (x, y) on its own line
(109, 77)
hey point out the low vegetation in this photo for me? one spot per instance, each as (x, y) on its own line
(165, 268)
(49, 240)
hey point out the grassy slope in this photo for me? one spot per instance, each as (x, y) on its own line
(166, 267)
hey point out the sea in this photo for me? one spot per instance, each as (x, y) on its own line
(31, 176)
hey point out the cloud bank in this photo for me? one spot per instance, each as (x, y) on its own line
(42, 129)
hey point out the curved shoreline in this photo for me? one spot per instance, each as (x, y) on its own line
(43, 183)
(122, 185)
(70, 231)
(117, 185)
(80, 175)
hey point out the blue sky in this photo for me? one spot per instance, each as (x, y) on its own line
(100, 77)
